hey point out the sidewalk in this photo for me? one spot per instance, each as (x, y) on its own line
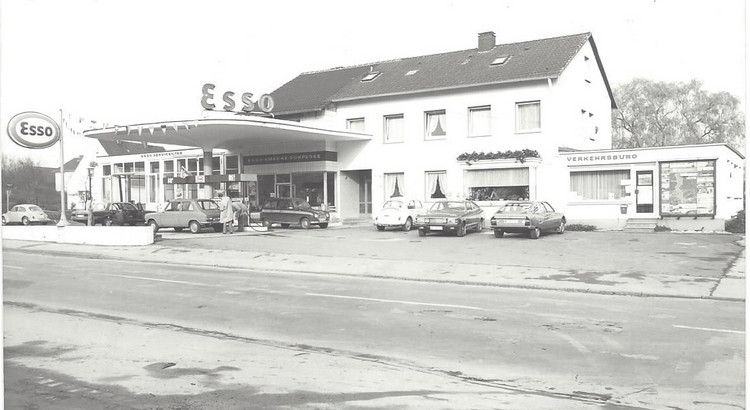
(731, 286)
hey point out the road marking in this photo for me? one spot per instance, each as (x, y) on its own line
(573, 342)
(158, 280)
(741, 332)
(404, 302)
(13, 267)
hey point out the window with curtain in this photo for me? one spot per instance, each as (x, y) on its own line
(355, 124)
(394, 185)
(435, 184)
(434, 125)
(598, 185)
(393, 128)
(528, 116)
(479, 121)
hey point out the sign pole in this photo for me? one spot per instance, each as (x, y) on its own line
(63, 218)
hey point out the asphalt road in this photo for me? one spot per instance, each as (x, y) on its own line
(96, 334)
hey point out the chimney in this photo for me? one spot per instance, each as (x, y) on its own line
(486, 41)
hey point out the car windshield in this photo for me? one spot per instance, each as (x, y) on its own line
(446, 205)
(208, 204)
(98, 207)
(35, 208)
(300, 204)
(393, 204)
(515, 208)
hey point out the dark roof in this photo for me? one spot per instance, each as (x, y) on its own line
(71, 165)
(125, 147)
(528, 60)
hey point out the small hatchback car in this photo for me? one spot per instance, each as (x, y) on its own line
(293, 211)
(187, 213)
(527, 217)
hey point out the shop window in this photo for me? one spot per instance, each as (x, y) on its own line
(215, 165)
(107, 170)
(480, 121)
(394, 185)
(193, 166)
(182, 168)
(128, 167)
(355, 124)
(233, 164)
(528, 117)
(688, 188)
(154, 167)
(393, 128)
(598, 185)
(169, 168)
(435, 184)
(140, 167)
(434, 125)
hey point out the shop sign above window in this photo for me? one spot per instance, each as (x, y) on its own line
(264, 104)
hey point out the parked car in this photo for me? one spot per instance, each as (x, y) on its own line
(400, 212)
(193, 214)
(113, 213)
(451, 216)
(293, 211)
(529, 217)
(25, 214)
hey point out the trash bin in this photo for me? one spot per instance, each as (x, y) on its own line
(623, 208)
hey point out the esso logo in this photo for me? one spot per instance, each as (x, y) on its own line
(33, 130)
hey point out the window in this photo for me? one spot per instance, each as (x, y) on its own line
(687, 188)
(598, 185)
(500, 60)
(435, 184)
(154, 167)
(498, 184)
(394, 185)
(528, 117)
(370, 76)
(107, 170)
(393, 128)
(355, 124)
(411, 72)
(434, 126)
(232, 164)
(480, 121)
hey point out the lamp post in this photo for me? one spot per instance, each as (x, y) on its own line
(8, 187)
(89, 196)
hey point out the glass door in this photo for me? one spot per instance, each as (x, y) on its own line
(644, 192)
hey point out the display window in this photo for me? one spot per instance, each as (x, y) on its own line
(688, 188)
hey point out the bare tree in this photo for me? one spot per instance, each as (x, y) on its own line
(653, 114)
(30, 182)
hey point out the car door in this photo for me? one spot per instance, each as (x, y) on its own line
(16, 213)
(551, 218)
(170, 217)
(130, 213)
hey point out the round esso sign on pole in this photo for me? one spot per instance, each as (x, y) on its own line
(33, 130)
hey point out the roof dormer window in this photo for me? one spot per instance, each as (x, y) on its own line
(411, 72)
(370, 76)
(500, 60)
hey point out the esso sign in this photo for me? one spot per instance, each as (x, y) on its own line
(265, 102)
(33, 130)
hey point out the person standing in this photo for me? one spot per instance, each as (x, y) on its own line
(227, 213)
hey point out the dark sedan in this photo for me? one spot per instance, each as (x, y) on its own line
(451, 216)
(113, 213)
(293, 211)
(527, 217)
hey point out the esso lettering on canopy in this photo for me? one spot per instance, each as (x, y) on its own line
(33, 130)
(265, 102)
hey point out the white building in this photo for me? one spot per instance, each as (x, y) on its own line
(495, 122)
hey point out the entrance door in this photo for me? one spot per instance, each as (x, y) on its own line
(644, 192)
(283, 190)
(365, 194)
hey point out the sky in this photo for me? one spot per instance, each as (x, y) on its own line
(136, 61)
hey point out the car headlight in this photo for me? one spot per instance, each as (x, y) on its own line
(421, 220)
(452, 220)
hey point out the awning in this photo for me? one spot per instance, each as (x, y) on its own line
(229, 133)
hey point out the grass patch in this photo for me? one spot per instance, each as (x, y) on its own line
(580, 227)
(736, 224)
(662, 228)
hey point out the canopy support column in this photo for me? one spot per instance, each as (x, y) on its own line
(208, 169)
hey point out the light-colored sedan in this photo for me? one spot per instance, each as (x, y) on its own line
(26, 214)
(187, 213)
(529, 217)
(398, 212)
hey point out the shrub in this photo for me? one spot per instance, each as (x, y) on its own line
(736, 224)
(662, 228)
(580, 227)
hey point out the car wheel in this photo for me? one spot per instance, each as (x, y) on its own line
(284, 225)
(535, 233)
(407, 225)
(380, 227)
(304, 223)
(422, 232)
(154, 225)
(561, 229)
(4, 221)
(177, 229)
(499, 233)
(461, 231)
(266, 223)
(108, 222)
(25, 221)
(195, 227)
(480, 226)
